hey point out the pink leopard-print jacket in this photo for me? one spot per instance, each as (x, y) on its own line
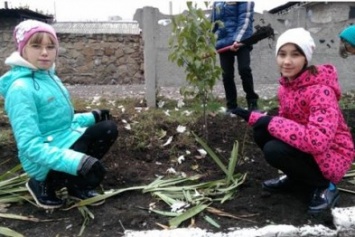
(310, 120)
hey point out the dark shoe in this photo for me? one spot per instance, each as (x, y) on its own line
(282, 183)
(323, 199)
(252, 104)
(83, 194)
(229, 112)
(43, 194)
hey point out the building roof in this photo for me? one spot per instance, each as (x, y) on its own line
(23, 13)
(284, 7)
(107, 27)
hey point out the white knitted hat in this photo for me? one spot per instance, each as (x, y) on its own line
(300, 37)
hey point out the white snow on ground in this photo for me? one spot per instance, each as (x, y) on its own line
(267, 231)
(343, 218)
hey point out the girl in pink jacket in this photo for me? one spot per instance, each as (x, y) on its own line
(309, 140)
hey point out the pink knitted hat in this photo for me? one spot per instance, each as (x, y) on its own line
(27, 28)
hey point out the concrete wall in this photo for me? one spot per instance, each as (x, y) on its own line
(323, 20)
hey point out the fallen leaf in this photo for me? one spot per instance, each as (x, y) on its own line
(168, 141)
(202, 152)
(161, 104)
(166, 112)
(171, 171)
(181, 129)
(180, 103)
(180, 159)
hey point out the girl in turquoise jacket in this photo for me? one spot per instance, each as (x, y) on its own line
(56, 146)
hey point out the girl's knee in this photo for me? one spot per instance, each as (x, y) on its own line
(110, 128)
(272, 151)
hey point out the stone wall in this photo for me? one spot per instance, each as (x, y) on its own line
(89, 58)
(100, 59)
(6, 42)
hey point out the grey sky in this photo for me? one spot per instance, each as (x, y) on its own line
(100, 10)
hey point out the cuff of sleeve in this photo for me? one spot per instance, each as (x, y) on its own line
(96, 114)
(254, 116)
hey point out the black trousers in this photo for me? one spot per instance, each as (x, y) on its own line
(95, 142)
(227, 61)
(297, 165)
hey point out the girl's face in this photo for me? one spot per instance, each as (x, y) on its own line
(40, 51)
(350, 49)
(290, 61)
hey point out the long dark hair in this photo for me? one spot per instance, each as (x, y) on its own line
(311, 68)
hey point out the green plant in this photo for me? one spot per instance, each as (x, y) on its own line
(12, 190)
(192, 46)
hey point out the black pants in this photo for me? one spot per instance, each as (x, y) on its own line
(227, 61)
(297, 165)
(95, 142)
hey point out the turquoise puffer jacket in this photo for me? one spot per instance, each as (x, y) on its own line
(42, 118)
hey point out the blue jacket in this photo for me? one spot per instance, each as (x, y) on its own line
(237, 18)
(42, 119)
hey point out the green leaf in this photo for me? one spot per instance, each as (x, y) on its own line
(211, 221)
(233, 161)
(212, 154)
(8, 232)
(176, 221)
(168, 200)
(103, 196)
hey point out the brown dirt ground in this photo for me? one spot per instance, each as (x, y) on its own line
(132, 168)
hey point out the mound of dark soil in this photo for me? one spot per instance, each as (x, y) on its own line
(129, 167)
